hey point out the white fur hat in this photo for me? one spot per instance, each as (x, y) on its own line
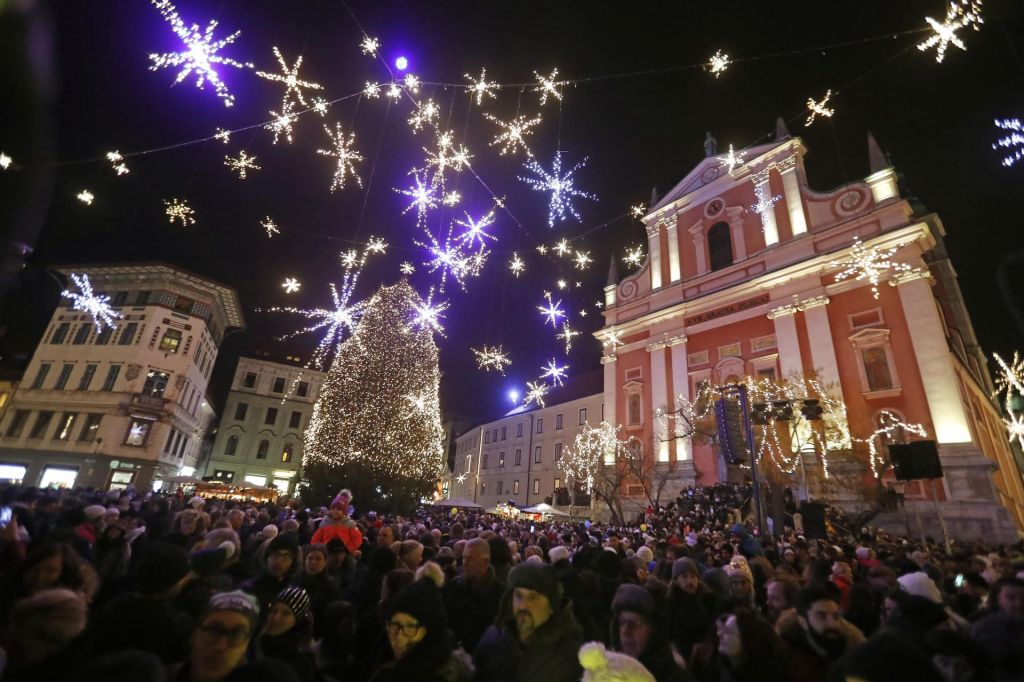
(558, 553)
(921, 585)
(270, 531)
(601, 665)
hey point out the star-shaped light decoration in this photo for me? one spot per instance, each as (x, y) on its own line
(412, 83)
(475, 233)
(222, 135)
(5, 161)
(552, 312)
(345, 154)
(1013, 141)
(554, 372)
(478, 89)
(176, 209)
(451, 260)
(960, 14)
(291, 285)
(370, 46)
(376, 245)
(86, 197)
(634, 257)
(394, 92)
(491, 358)
(516, 265)
(426, 113)
(732, 159)
(242, 164)
(320, 106)
(423, 195)
(289, 75)
(418, 401)
(429, 314)
(201, 53)
(117, 162)
(583, 312)
(819, 108)
(613, 339)
(270, 226)
(559, 185)
(637, 210)
(568, 333)
(98, 306)
(535, 392)
(765, 201)
(513, 134)
(582, 260)
(718, 63)
(1010, 382)
(372, 90)
(461, 478)
(548, 86)
(562, 248)
(281, 123)
(562, 284)
(406, 268)
(869, 265)
(349, 258)
(542, 249)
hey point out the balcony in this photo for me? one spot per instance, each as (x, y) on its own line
(148, 402)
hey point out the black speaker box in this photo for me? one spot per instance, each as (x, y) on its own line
(916, 460)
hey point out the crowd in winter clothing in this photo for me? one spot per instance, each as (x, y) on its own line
(125, 586)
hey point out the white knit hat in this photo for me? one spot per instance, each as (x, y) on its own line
(646, 554)
(270, 531)
(921, 585)
(558, 553)
(601, 665)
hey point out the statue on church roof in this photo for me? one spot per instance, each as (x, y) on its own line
(710, 145)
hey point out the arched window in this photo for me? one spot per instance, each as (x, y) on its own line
(634, 409)
(286, 454)
(720, 246)
(232, 445)
(876, 368)
(261, 452)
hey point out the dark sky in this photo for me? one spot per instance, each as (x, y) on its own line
(638, 132)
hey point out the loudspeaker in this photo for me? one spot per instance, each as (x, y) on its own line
(814, 520)
(916, 460)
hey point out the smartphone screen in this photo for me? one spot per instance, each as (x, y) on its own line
(5, 516)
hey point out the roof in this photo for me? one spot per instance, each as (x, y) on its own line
(575, 387)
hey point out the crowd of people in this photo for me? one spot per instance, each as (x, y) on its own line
(125, 586)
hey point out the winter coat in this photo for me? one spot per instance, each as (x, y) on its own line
(1002, 638)
(472, 608)
(133, 621)
(549, 655)
(265, 588)
(293, 648)
(807, 662)
(456, 668)
(344, 529)
(689, 617)
(322, 591)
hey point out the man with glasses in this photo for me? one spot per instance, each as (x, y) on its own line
(636, 632)
(221, 639)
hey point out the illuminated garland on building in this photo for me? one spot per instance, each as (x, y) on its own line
(1010, 382)
(581, 462)
(868, 265)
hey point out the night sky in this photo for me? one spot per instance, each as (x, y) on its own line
(637, 132)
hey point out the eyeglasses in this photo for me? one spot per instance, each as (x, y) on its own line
(630, 624)
(407, 629)
(235, 636)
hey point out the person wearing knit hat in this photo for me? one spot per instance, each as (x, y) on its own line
(280, 562)
(636, 631)
(339, 525)
(535, 636)
(646, 554)
(601, 665)
(287, 634)
(42, 628)
(196, 502)
(690, 609)
(559, 553)
(221, 637)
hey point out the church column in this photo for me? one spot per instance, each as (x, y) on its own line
(819, 333)
(786, 339)
(659, 398)
(673, 249)
(680, 387)
(931, 350)
(611, 395)
(654, 249)
(739, 241)
(791, 190)
(763, 188)
(697, 237)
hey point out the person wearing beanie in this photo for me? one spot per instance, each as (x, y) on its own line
(196, 503)
(646, 554)
(286, 635)
(536, 636)
(559, 553)
(601, 665)
(472, 600)
(637, 631)
(220, 640)
(339, 525)
(417, 631)
(44, 640)
(89, 529)
(280, 562)
(690, 608)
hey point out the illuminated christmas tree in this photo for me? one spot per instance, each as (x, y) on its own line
(376, 425)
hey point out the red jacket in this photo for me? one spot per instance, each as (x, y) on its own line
(344, 529)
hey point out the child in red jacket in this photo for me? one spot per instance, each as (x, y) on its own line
(339, 525)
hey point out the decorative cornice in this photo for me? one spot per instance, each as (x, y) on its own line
(652, 230)
(815, 302)
(787, 164)
(607, 359)
(909, 276)
(783, 310)
(676, 340)
(657, 345)
(761, 176)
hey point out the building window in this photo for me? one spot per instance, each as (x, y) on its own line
(494, 436)
(634, 411)
(65, 426)
(558, 422)
(519, 430)
(82, 334)
(483, 488)
(87, 375)
(536, 454)
(558, 484)
(65, 374)
(103, 337)
(231, 447)
(90, 428)
(558, 451)
(120, 298)
(41, 373)
(271, 417)
(255, 479)
(60, 333)
(536, 486)
(487, 437)
(250, 380)
(303, 389)
(17, 423)
(183, 305)
(295, 420)
(278, 385)
(483, 465)
(499, 487)
(286, 453)
(13, 474)
(720, 246)
(142, 298)
(876, 369)
(519, 457)
(503, 430)
(58, 477)
(515, 487)
(127, 334)
(263, 449)
(241, 409)
(540, 426)
(156, 383)
(170, 342)
(138, 432)
(42, 423)
(501, 459)
(583, 416)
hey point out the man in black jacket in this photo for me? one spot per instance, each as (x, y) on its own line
(473, 598)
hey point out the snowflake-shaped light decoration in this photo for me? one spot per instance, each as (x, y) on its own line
(637, 210)
(176, 209)
(478, 89)
(424, 197)
(562, 248)
(289, 75)
(320, 106)
(634, 257)
(281, 123)
(291, 285)
(583, 312)
(765, 200)
(345, 154)
(222, 135)
(559, 185)
(406, 268)
(718, 63)
(86, 300)
(412, 83)
(201, 53)
(1013, 140)
(552, 312)
(242, 164)
(568, 333)
(5, 161)
(370, 46)
(732, 159)
(426, 113)
(376, 245)
(349, 258)
(451, 198)
(451, 259)
(428, 315)
(1010, 382)
(86, 197)
(548, 86)
(418, 401)
(475, 233)
(960, 14)
(598, 304)
(394, 92)
(535, 392)
(491, 358)
(869, 265)
(461, 478)
(513, 133)
(582, 260)
(448, 156)
(516, 265)
(819, 108)
(117, 162)
(613, 339)
(371, 90)
(562, 284)
(554, 372)
(270, 226)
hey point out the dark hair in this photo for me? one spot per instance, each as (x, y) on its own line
(71, 575)
(790, 585)
(759, 640)
(997, 588)
(814, 593)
